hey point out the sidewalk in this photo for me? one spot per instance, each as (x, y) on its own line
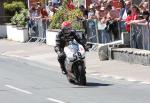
(46, 55)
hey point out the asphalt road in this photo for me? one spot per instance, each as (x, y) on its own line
(23, 81)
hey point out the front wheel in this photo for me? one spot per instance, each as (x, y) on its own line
(82, 77)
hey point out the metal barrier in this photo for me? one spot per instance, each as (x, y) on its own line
(37, 30)
(101, 35)
(140, 36)
(92, 31)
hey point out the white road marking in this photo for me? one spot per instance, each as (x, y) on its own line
(148, 83)
(131, 80)
(96, 74)
(55, 100)
(118, 77)
(105, 76)
(20, 90)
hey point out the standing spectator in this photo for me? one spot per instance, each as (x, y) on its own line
(55, 2)
(85, 17)
(144, 18)
(122, 10)
(84, 11)
(91, 13)
(97, 12)
(32, 24)
(143, 6)
(127, 5)
(128, 19)
(44, 18)
(112, 23)
(135, 12)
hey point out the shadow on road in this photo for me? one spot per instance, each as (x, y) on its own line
(93, 85)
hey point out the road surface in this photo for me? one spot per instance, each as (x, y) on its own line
(23, 81)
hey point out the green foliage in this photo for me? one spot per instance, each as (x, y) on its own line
(14, 19)
(64, 14)
(13, 7)
(20, 19)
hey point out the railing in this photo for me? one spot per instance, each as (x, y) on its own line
(140, 36)
(97, 33)
(37, 30)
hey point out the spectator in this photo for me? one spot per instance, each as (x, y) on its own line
(122, 10)
(91, 13)
(44, 18)
(84, 11)
(32, 24)
(135, 12)
(128, 19)
(144, 17)
(97, 12)
(127, 5)
(55, 3)
(102, 13)
(33, 13)
(143, 6)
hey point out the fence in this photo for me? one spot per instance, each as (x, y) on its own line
(97, 33)
(140, 36)
(37, 30)
(100, 33)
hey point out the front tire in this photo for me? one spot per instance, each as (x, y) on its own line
(82, 76)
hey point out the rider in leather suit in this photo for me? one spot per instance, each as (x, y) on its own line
(65, 35)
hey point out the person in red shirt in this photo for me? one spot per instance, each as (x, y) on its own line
(128, 19)
(132, 17)
(134, 12)
(70, 5)
(44, 20)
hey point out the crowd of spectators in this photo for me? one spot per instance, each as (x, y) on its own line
(38, 16)
(105, 12)
(109, 17)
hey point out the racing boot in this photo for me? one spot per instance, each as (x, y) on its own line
(63, 69)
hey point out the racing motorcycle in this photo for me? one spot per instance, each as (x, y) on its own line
(75, 63)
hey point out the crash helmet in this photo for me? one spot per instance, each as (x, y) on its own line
(66, 27)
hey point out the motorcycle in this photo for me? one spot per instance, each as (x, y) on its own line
(75, 63)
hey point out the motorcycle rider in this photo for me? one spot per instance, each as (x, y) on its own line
(64, 36)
